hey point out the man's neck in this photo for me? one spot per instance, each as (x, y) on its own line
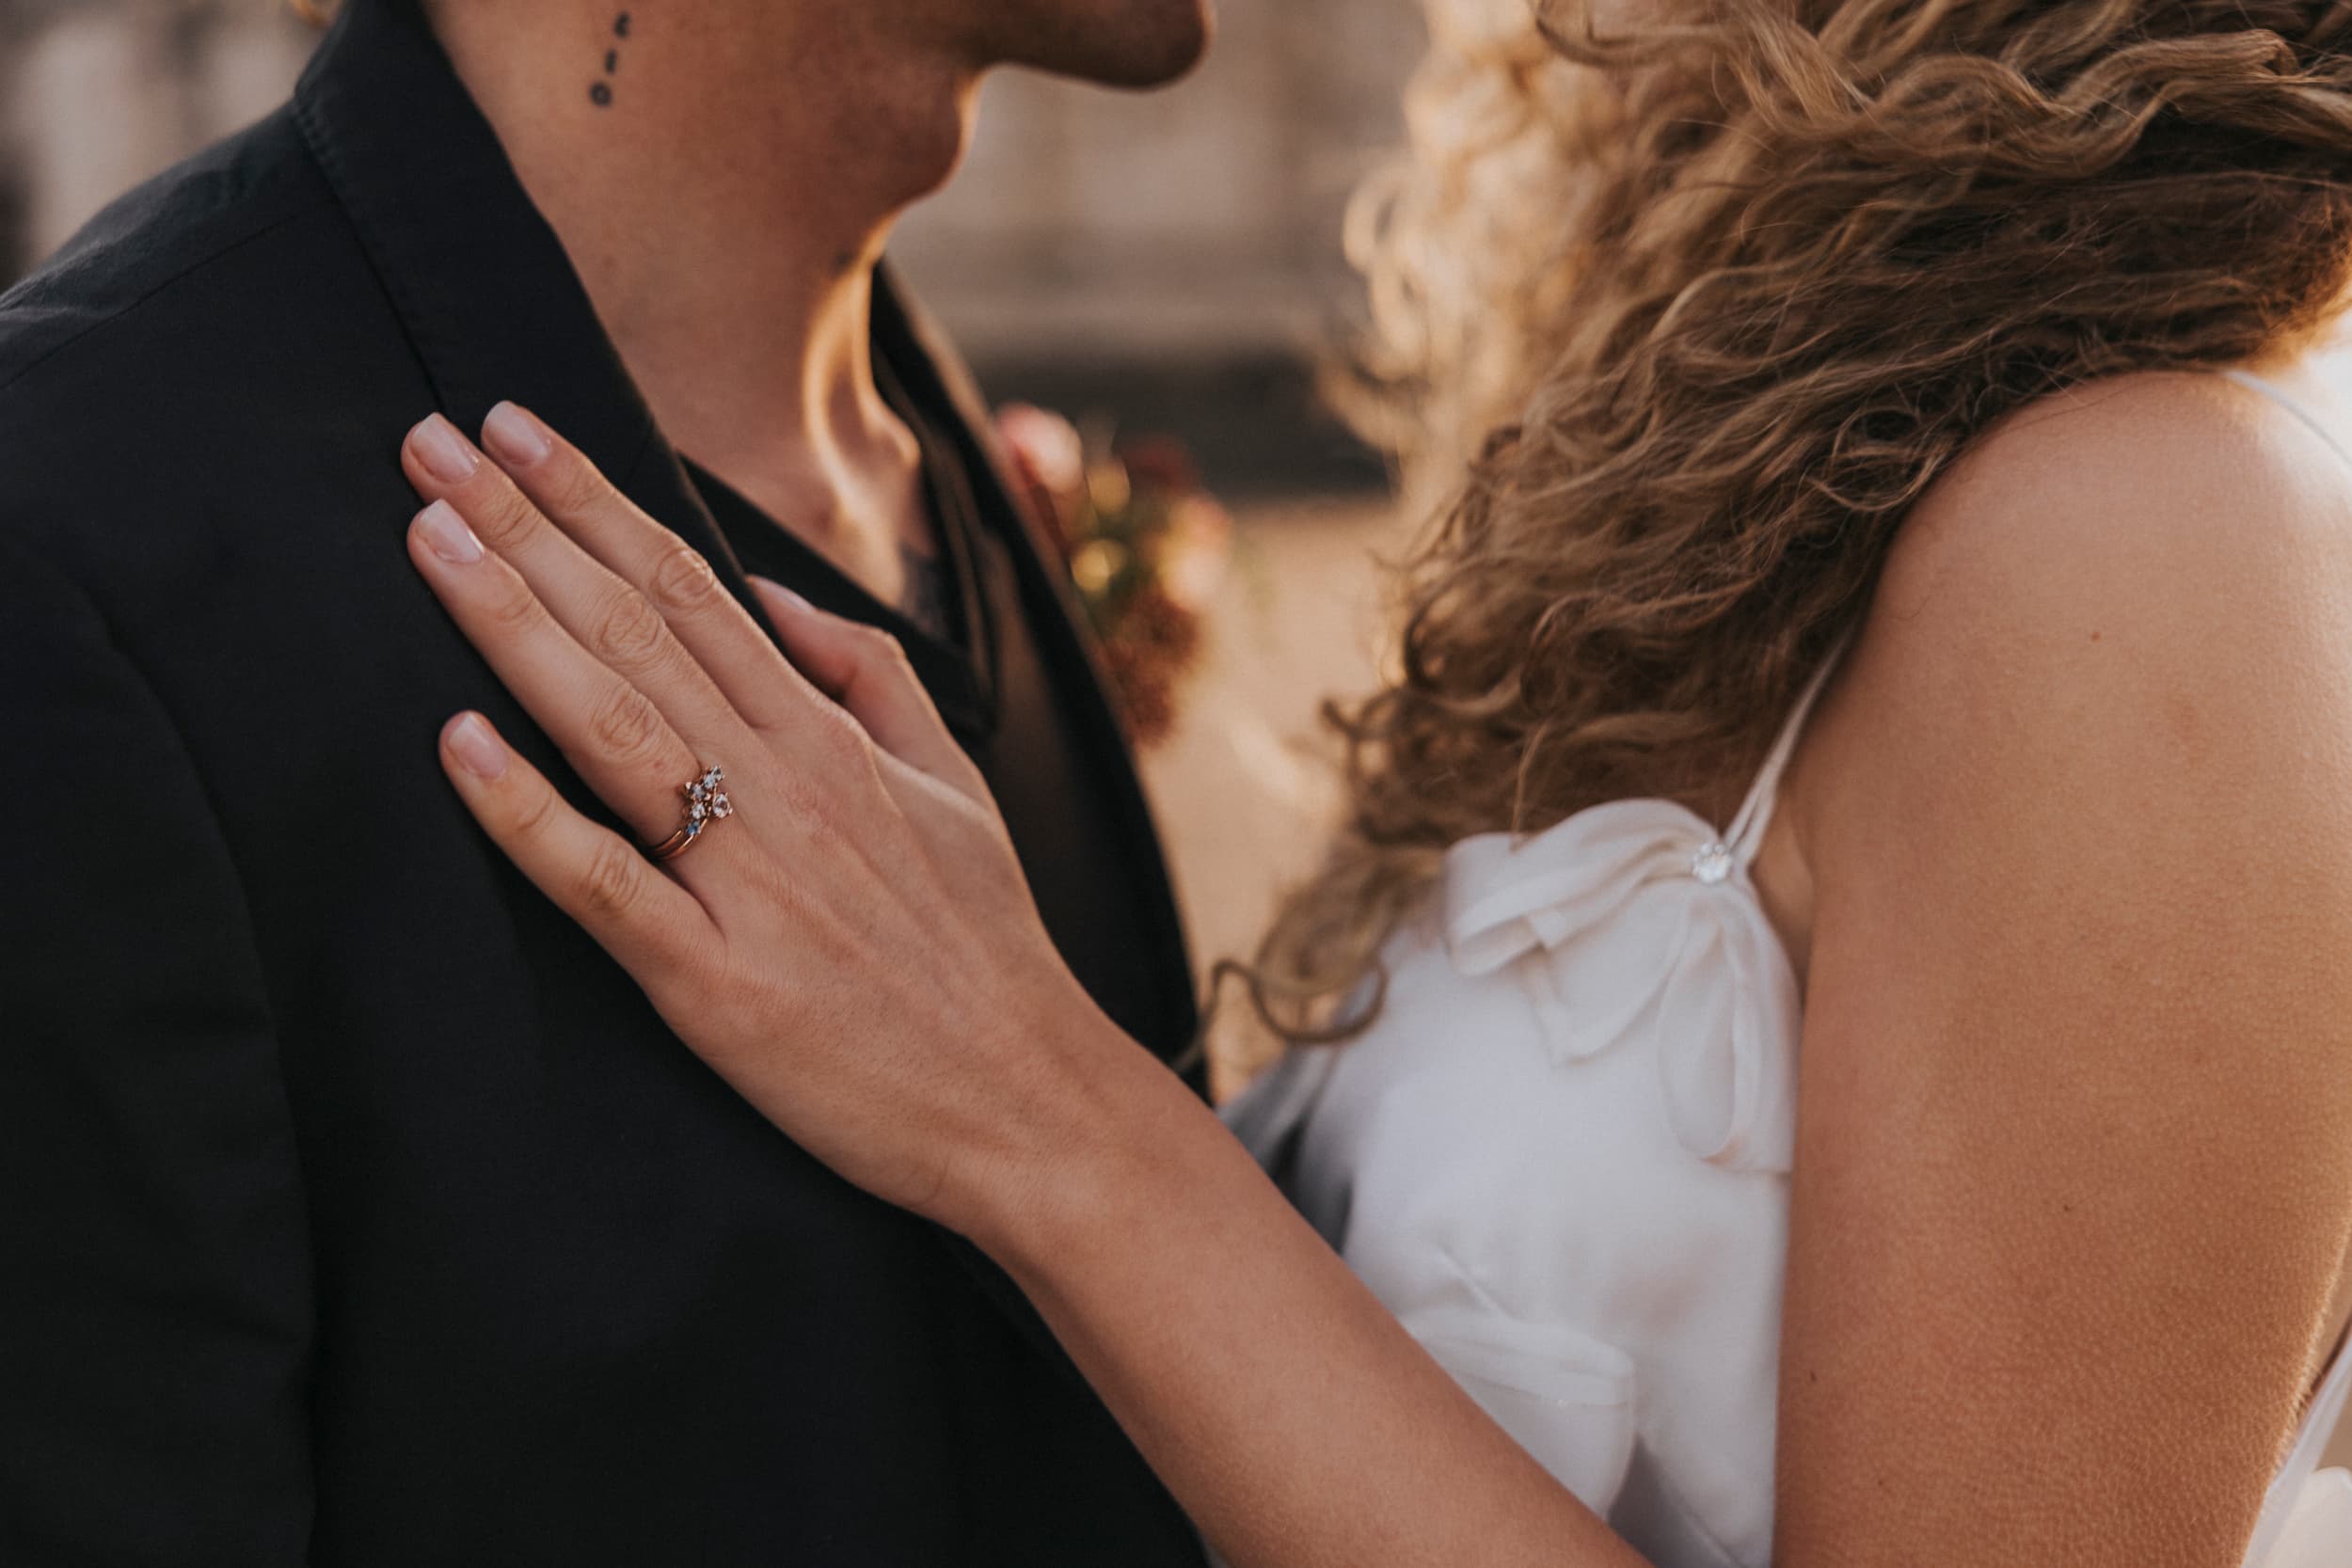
(724, 198)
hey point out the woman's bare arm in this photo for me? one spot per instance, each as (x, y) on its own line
(2074, 1174)
(1297, 1422)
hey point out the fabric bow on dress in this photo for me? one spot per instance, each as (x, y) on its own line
(1631, 922)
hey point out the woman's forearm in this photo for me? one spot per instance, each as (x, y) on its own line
(1292, 1416)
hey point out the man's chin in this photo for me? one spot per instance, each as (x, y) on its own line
(1186, 34)
(1128, 43)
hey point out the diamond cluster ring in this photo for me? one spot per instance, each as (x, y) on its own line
(705, 803)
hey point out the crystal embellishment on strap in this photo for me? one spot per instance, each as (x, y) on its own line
(1711, 865)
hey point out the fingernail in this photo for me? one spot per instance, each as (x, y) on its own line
(477, 747)
(446, 455)
(778, 590)
(447, 536)
(515, 436)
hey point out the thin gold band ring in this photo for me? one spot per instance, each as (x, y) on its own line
(705, 802)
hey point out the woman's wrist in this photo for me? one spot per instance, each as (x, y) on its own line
(1075, 1165)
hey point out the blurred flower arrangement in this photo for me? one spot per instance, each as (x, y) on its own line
(1145, 545)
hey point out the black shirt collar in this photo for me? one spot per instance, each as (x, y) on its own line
(487, 294)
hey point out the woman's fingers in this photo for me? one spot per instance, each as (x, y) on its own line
(865, 670)
(612, 732)
(650, 924)
(724, 639)
(603, 613)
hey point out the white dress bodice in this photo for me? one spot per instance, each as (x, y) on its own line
(1560, 1156)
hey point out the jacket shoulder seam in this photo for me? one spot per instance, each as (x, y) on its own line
(162, 286)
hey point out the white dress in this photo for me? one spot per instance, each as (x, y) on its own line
(1560, 1156)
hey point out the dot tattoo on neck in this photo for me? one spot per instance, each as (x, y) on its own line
(600, 90)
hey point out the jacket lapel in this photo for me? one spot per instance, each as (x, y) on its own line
(489, 299)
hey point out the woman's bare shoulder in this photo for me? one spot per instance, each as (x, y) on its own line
(2155, 571)
(2119, 491)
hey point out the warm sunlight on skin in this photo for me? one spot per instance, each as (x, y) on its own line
(2071, 1192)
(2061, 1259)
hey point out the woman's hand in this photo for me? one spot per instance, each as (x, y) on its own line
(855, 951)
(854, 947)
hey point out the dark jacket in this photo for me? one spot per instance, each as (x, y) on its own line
(354, 1208)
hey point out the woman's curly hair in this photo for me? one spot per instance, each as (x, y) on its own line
(1729, 293)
